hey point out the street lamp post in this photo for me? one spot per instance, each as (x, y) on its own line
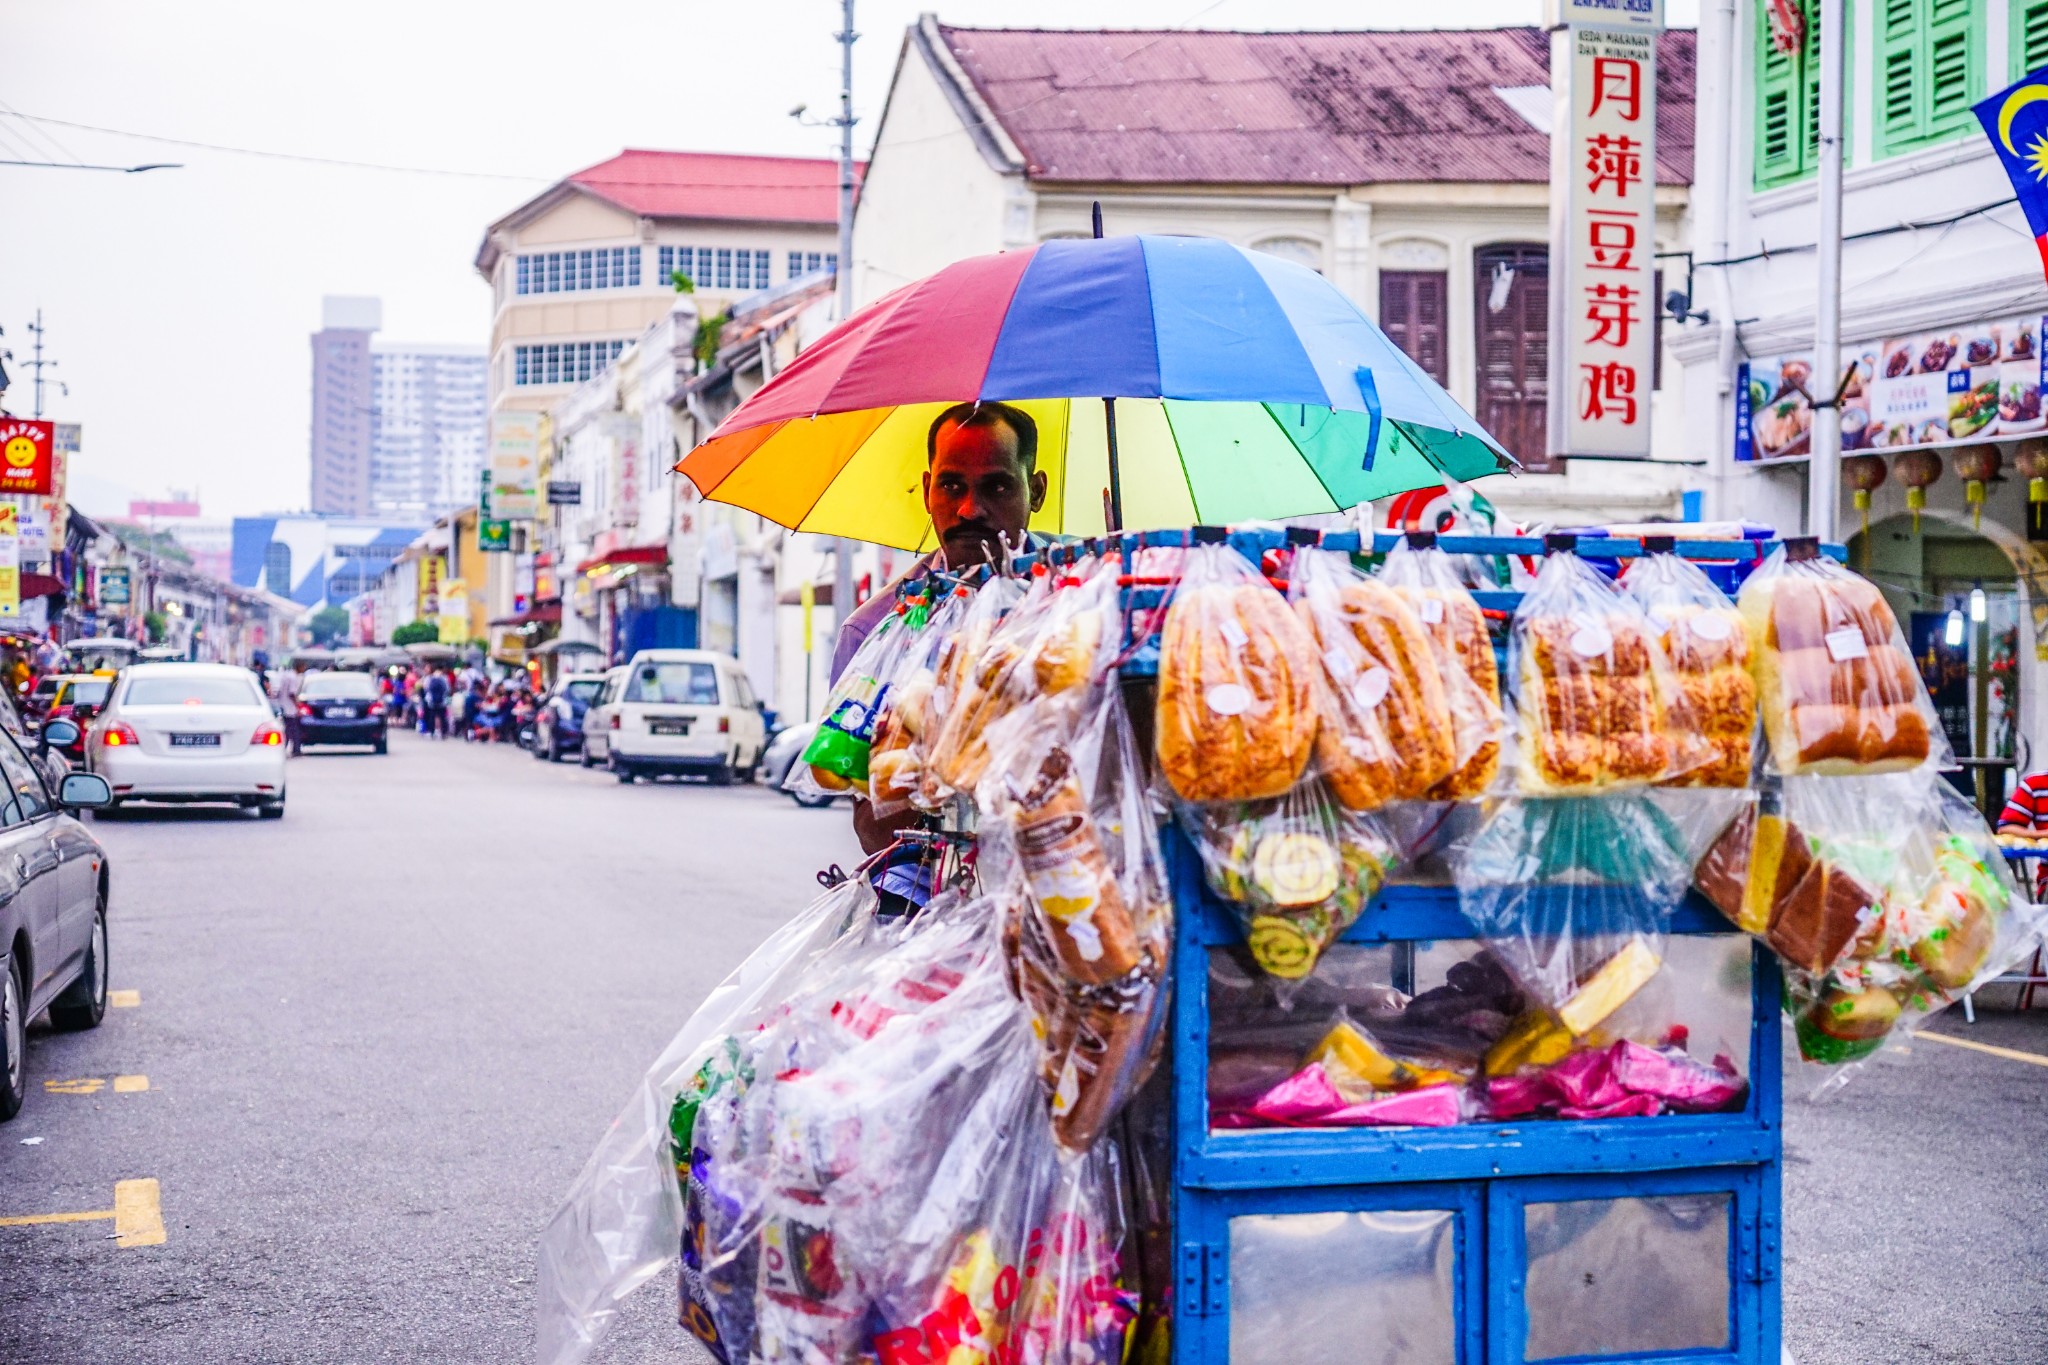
(1824, 465)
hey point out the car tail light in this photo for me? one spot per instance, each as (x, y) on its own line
(725, 725)
(305, 710)
(117, 734)
(268, 736)
(615, 720)
(376, 708)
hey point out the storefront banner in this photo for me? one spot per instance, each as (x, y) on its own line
(1603, 236)
(64, 450)
(432, 569)
(515, 466)
(113, 587)
(565, 493)
(32, 525)
(27, 453)
(10, 565)
(1954, 387)
(454, 620)
(494, 537)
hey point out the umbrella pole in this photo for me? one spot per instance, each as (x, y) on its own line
(1114, 509)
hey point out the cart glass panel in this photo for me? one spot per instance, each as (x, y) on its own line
(1344, 1288)
(1627, 1276)
(1430, 1034)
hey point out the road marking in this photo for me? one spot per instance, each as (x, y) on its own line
(84, 1085)
(137, 1215)
(2010, 1054)
(128, 1085)
(124, 1000)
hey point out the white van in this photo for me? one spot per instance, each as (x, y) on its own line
(676, 711)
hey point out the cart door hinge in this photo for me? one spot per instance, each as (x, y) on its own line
(1759, 1248)
(1204, 1278)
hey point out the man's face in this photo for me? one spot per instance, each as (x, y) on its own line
(976, 491)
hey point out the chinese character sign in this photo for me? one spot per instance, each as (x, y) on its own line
(26, 453)
(515, 466)
(1604, 238)
(432, 569)
(10, 566)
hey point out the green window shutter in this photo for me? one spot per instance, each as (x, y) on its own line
(2029, 36)
(1929, 57)
(1955, 61)
(1810, 60)
(1780, 154)
(1898, 66)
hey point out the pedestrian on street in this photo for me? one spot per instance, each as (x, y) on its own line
(288, 684)
(434, 706)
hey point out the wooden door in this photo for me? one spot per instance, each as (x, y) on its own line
(1413, 304)
(1511, 284)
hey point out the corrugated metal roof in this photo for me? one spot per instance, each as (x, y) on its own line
(1287, 108)
(763, 189)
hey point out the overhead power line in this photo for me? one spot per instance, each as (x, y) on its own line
(82, 166)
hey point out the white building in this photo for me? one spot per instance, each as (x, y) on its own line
(1942, 322)
(1410, 168)
(427, 428)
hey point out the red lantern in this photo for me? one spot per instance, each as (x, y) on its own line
(2030, 458)
(1863, 473)
(1918, 470)
(1978, 465)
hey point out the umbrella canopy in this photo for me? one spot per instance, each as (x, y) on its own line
(1248, 387)
(428, 652)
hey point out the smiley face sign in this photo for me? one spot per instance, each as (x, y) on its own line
(25, 455)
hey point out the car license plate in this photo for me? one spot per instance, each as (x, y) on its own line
(668, 727)
(195, 741)
(340, 712)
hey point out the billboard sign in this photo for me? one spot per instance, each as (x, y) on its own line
(27, 456)
(514, 466)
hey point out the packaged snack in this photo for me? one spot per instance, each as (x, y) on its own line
(1837, 686)
(1385, 732)
(905, 729)
(1428, 580)
(1707, 643)
(1297, 871)
(971, 689)
(837, 756)
(1236, 718)
(1593, 689)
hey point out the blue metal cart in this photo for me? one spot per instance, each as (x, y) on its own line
(1621, 1239)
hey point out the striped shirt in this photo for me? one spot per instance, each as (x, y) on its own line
(2028, 808)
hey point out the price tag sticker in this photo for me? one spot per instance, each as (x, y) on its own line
(1371, 688)
(1234, 633)
(1711, 625)
(1846, 644)
(1592, 639)
(1228, 699)
(1341, 666)
(1432, 611)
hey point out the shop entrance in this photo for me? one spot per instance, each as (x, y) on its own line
(1957, 597)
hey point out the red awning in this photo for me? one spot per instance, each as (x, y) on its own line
(545, 614)
(631, 554)
(41, 585)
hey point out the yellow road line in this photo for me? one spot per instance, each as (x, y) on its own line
(84, 1085)
(128, 1085)
(124, 1000)
(2010, 1054)
(34, 1218)
(138, 1214)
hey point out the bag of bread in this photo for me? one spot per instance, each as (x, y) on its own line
(1707, 642)
(1068, 846)
(1063, 657)
(1428, 581)
(1575, 895)
(969, 691)
(1837, 686)
(1296, 870)
(1384, 731)
(1236, 717)
(905, 729)
(1593, 690)
(836, 759)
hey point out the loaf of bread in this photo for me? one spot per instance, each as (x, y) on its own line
(1590, 704)
(1839, 693)
(1236, 716)
(1069, 879)
(1386, 731)
(1456, 627)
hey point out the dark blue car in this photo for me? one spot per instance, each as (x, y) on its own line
(558, 728)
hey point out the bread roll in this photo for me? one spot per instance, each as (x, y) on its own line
(1385, 732)
(1457, 628)
(1069, 878)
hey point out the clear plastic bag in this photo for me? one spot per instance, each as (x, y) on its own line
(623, 1218)
(1236, 717)
(1575, 895)
(836, 759)
(1386, 732)
(1428, 580)
(1707, 642)
(1593, 690)
(1063, 652)
(1837, 685)
(971, 671)
(1297, 870)
(908, 722)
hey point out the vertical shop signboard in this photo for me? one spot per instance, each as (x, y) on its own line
(514, 466)
(432, 569)
(1603, 226)
(64, 449)
(10, 563)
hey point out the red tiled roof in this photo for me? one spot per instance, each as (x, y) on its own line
(1287, 108)
(766, 189)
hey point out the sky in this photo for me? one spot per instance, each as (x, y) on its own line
(178, 303)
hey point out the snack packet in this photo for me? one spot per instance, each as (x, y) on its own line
(836, 759)
(971, 671)
(1385, 731)
(1236, 715)
(1837, 685)
(1707, 642)
(1593, 690)
(908, 721)
(1428, 580)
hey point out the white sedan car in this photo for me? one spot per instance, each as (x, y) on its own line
(189, 732)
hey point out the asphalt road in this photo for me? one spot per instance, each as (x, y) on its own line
(381, 1036)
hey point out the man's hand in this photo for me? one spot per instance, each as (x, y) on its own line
(876, 832)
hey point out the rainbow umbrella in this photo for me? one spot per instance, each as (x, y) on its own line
(1243, 387)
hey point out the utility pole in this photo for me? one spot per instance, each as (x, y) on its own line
(1824, 466)
(39, 364)
(842, 551)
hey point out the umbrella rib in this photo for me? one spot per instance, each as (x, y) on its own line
(1273, 417)
(1166, 411)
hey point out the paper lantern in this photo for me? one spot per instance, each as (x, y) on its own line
(1978, 466)
(2030, 458)
(1863, 473)
(1917, 469)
